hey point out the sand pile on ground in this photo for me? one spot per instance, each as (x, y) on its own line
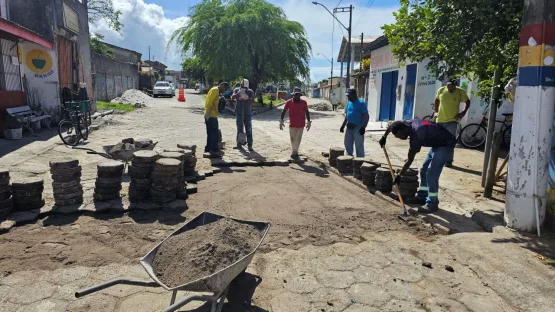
(134, 97)
(203, 251)
(322, 106)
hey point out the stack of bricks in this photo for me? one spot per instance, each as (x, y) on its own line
(108, 181)
(409, 184)
(383, 181)
(140, 172)
(66, 184)
(190, 160)
(164, 180)
(6, 204)
(368, 171)
(345, 164)
(27, 193)
(357, 163)
(334, 153)
(181, 188)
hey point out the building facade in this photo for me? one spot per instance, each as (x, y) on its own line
(45, 48)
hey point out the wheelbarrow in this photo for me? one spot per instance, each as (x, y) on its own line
(217, 283)
(125, 155)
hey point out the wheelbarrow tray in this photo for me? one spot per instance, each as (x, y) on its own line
(125, 155)
(217, 281)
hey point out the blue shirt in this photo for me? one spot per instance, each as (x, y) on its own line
(429, 134)
(355, 110)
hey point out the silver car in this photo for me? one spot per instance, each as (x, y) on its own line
(162, 88)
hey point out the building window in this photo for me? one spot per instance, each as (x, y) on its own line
(10, 77)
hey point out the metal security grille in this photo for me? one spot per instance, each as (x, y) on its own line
(10, 77)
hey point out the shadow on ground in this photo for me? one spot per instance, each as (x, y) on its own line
(8, 146)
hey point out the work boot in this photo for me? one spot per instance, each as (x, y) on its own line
(295, 156)
(427, 209)
(449, 164)
(251, 149)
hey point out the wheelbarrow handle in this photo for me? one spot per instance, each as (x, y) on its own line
(90, 290)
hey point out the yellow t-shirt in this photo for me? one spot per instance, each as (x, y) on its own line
(449, 103)
(212, 100)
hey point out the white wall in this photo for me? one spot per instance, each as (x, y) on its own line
(44, 81)
(425, 93)
(382, 60)
(400, 93)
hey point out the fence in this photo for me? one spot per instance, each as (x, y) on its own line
(112, 78)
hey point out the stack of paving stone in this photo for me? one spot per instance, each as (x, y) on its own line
(140, 171)
(181, 187)
(345, 164)
(6, 204)
(357, 163)
(190, 160)
(383, 181)
(409, 184)
(108, 181)
(165, 180)
(27, 193)
(334, 153)
(66, 184)
(368, 171)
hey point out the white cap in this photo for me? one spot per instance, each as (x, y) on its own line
(245, 83)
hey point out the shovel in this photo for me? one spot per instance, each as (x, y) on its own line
(404, 216)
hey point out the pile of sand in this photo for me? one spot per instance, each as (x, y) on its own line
(203, 251)
(323, 106)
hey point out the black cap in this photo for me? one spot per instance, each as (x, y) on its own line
(297, 90)
(350, 91)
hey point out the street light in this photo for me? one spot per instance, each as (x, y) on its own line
(331, 74)
(341, 10)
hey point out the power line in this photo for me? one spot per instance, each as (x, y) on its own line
(368, 5)
(339, 3)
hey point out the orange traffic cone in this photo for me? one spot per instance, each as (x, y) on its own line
(181, 97)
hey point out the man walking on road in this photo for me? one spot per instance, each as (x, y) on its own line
(245, 98)
(297, 108)
(442, 143)
(211, 119)
(356, 120)
(446, 108)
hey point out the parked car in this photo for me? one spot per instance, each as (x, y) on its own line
(162, 88)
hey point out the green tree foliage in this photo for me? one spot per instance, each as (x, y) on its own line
(245, 38)
(464, 37)
(100, 47)
(193, 67)
(104, 10)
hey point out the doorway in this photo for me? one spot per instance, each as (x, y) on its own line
(387, 96)
(408, 107)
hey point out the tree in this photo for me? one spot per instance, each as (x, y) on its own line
(100, 47)
(465, 37)
(193, 68)
(245, 38)
(104, 10)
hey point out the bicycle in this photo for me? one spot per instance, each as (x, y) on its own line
(474, 135)
(430, 117)
(75, 127)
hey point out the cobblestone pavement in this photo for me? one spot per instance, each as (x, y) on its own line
(384, 272)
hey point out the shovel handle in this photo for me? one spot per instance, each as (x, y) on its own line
(393, 177)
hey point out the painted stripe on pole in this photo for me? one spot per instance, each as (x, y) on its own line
(540, 55)
(531, 35)
(534, 76)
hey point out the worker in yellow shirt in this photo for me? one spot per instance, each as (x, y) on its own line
(446, 108)
(211, 119)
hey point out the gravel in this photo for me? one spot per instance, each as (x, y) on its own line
(203, 251)
(134, 97)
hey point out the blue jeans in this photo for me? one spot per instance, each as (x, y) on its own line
(212, 135)
(430, 172)
(353, 137)
(452, 127)
(247, 122)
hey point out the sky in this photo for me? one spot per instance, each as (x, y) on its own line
(151, 23)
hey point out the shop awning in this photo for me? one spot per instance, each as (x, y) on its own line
(20, 32)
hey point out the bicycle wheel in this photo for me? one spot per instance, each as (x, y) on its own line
(473, 135)
(507, 136)
(68, 132)
(428, 118)
(83, 126)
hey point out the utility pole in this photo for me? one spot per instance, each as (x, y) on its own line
(342, 10)
(149, 53)
(529, 157)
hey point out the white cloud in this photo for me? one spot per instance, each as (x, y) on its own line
(318, 25)
(144, 25)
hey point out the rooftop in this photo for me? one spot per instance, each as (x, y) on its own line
(356, 46)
